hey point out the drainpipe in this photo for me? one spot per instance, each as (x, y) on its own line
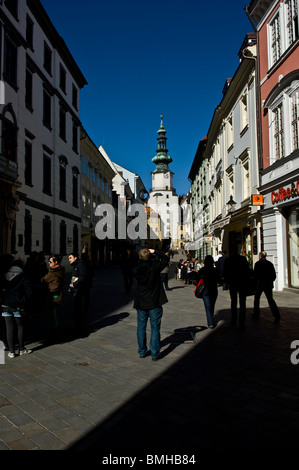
(258, 100)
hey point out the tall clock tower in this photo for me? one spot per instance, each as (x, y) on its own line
(163, 198)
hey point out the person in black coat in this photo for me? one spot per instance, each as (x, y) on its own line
(210, 275)
(236, 274)
(78, 288)
(265, 275)
(17, 294)
(149, 298)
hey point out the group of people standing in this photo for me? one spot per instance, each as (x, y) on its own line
(37, 287)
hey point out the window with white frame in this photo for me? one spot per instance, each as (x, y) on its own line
(245, 173)
(291, 21)
(284, 121)
(230, 173)
(278, 132)
(230, 132)
(295, 121)
(282, 30)
(243, 111)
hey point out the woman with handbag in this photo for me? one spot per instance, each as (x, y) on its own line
(210, 276)
(17, 294)
(54, 280)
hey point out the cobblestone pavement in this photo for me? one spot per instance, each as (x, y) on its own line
(213, 391)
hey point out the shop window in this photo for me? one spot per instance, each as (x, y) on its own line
(294, 246)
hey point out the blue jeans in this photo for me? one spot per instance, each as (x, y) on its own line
(155, 316)
(209, 300)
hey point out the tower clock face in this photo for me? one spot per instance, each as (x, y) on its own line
(166, 175)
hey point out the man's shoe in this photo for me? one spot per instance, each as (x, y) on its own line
(155, 358)
(144, 355)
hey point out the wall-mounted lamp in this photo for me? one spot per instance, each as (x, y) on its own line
(231, 205)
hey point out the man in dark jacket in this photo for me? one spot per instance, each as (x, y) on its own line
(16, 296)
(149, 298)
(265, 275)
(78, 288)
(236, 274)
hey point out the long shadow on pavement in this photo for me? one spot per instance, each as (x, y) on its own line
(236, 390)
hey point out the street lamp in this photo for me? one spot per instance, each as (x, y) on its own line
(231, 205)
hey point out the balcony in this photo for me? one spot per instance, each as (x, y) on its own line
(8, 168)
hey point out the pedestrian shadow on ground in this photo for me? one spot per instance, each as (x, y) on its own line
(180, 336)
(230, 391)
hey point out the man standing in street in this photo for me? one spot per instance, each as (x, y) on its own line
(77, 288)
(149, 298)
(265, 275)
(236, 274)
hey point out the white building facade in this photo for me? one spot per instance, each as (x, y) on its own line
(41, 116)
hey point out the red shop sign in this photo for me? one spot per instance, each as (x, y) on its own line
(285, 193)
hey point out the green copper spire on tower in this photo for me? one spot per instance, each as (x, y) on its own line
(162, 159)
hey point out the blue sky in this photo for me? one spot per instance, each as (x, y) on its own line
(142, 58)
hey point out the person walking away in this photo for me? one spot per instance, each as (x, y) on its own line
(265, 275)
(220, 265)
(77, 288)
(149, 299)
(5, 263)
(236, 274)
(54, 280)
(15, 299)
(210, 276)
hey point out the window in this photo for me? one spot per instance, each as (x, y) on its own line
(10, 61)
(12, 6)
(230, 133)
(275, 39)
(282, 30)
(295, 121)
(28, 164)
(47, 180)
(244, 112)
(62, 123)
(75, 97)
(29, 31)
(9, 140)
(292, 21)
(62, 78)
(75, 137)
(278, 132)
(47, 58)
(62, 177)
(75, 186)
(293, 237)
(46, 109)
(283, 107)
(27, 232)
(28, 90)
